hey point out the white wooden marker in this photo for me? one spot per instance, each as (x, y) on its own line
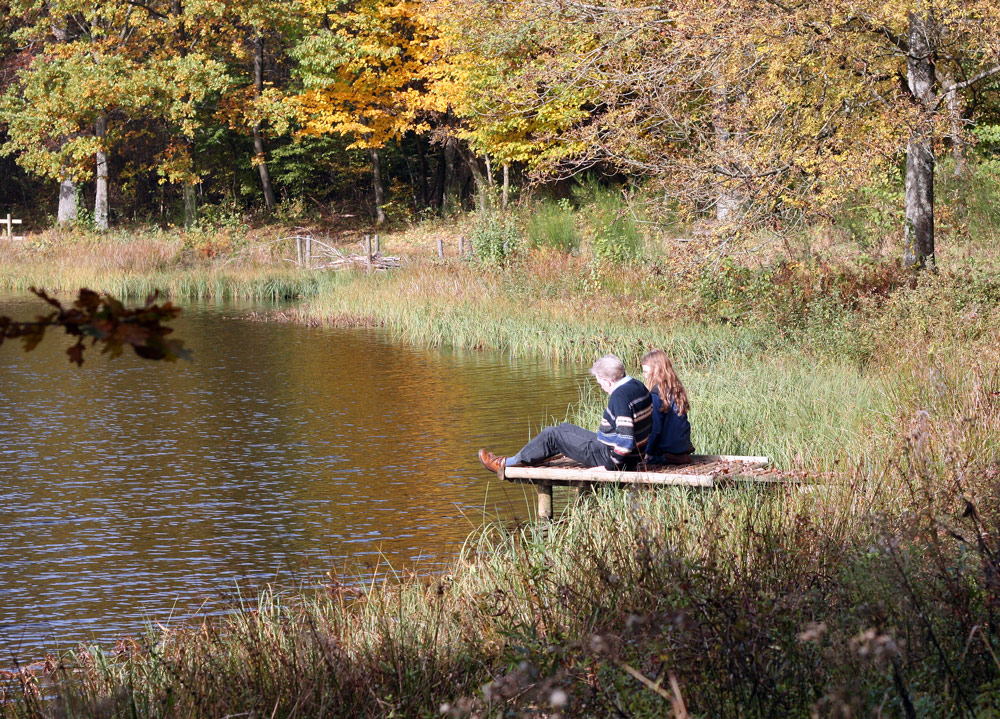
(8, 224)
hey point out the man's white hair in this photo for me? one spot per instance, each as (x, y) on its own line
(608, 368)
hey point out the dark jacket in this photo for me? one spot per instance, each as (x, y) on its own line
(671, 433)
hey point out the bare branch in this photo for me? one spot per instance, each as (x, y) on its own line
(972, 80)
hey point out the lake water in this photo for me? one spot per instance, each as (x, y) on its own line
(135, 491)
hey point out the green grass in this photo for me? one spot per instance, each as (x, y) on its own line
(553, 225)
(261, 285)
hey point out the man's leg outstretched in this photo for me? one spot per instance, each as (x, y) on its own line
(577, 443)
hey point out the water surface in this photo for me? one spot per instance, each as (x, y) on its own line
(134, 491)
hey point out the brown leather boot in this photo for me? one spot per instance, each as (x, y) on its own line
(492, 462)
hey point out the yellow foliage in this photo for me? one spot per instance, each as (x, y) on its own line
(386, 73)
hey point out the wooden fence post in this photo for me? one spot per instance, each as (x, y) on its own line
(461, 245)
(378, 245)
(440, 249)
(368, 252)
(309, 250)
(298, 251)
(544, 500)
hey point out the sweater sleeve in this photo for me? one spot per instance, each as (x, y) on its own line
(617, 430)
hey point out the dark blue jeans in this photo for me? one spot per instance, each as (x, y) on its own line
(577, 443)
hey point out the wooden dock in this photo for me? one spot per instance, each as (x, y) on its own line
(705, 470)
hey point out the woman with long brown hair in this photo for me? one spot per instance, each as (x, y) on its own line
(670, 439)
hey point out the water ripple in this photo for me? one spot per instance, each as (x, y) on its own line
(134, 492)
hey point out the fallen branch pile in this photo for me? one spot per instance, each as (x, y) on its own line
(318, 255)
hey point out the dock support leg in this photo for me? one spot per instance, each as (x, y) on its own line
(545, 500)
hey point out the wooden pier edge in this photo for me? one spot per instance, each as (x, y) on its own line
(562, 477)
(584, 479)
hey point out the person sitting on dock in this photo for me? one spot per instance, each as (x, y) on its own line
(670, 438)
(619, 442)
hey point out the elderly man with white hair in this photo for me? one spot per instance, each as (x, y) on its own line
(618, 443)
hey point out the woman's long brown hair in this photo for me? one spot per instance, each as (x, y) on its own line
(665, 381)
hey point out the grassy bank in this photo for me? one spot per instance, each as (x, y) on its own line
(133, 265)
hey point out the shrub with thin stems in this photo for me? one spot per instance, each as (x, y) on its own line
(553, 225)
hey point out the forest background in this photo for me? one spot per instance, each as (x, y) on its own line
(750, 116)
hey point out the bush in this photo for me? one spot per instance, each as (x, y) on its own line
(495, 238)
(617, 237)
(553, 225)
(872, 213)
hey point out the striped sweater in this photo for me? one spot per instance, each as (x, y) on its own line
(626, 423)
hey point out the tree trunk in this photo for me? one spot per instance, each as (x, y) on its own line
(440, 177)
(727, 201)
(918, 251)
(412, 175)
(506, 184)
(101, 188)
(425, 193)
(377, 186)
(190, 205)
(482, 193)
(67, 202)
(449, 201)
(258, 140)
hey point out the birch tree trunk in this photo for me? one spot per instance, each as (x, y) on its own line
(67, 202)
(918, 251)
(101, 187)
(190, 205)
(954, 106)
(506, 185)
(377, 186)
(258, 140)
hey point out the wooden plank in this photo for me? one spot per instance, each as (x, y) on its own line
(566, 476)
(757, 479)
(696, 459)
(753, 461)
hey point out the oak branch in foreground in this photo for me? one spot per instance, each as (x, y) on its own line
(104, 321)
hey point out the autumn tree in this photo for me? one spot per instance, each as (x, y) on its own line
(96, 71)
(57, 111)
(373, 70)
(756, 112)
(254, 38)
